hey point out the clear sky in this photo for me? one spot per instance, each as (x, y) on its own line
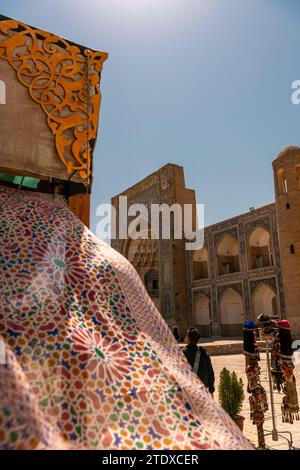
(202, 83)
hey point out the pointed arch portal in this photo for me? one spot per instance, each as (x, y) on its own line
(231, 313)
(264, 301)
(202, 315)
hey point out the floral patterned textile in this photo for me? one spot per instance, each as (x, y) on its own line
(90, 363)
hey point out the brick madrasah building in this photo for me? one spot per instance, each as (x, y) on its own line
(249, 263)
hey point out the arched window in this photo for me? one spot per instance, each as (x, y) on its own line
(228, 256)
(231, 313)
(260, 248)
(264, 301)
(200, 264)
(282, 182)
(152, 283)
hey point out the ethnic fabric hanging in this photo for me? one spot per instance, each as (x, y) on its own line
(258, 398)
(290, 405)
(270, 331)
(282, 366)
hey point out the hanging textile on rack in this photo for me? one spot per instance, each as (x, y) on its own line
(277, 375)
(258, 398)
(270, 330)
(290, 405)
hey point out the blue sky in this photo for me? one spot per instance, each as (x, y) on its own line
(202, 83)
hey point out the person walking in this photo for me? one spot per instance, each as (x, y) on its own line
(199, 359)
(176, 332)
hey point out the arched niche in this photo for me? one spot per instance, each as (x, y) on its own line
(200, 264)
(228, 258)
(231, 313)
(264, 300)
(202, 315)
(260, 252)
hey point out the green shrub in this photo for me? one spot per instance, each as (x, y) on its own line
(231, 392)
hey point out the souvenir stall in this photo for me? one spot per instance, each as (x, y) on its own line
(276, 341)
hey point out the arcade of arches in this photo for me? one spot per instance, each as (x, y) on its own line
(228, 268)
(237, 270)
(231, 310)
(234, 277)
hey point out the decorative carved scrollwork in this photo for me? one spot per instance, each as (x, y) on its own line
(204, 291)
(64, 80)
(263, 223)
(271, 282)
(237, 287)
(231, 232)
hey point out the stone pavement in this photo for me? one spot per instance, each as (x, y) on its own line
(236, 362)
(220, 346)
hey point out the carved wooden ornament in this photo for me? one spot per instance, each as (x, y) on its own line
(64, 80)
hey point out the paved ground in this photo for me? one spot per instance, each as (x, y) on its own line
(237, 362)
(220, 346)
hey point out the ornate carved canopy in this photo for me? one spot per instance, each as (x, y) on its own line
(63, 78)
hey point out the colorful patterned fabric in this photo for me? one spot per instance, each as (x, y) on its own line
(90, 363)
(290, 404)
(258, 398)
